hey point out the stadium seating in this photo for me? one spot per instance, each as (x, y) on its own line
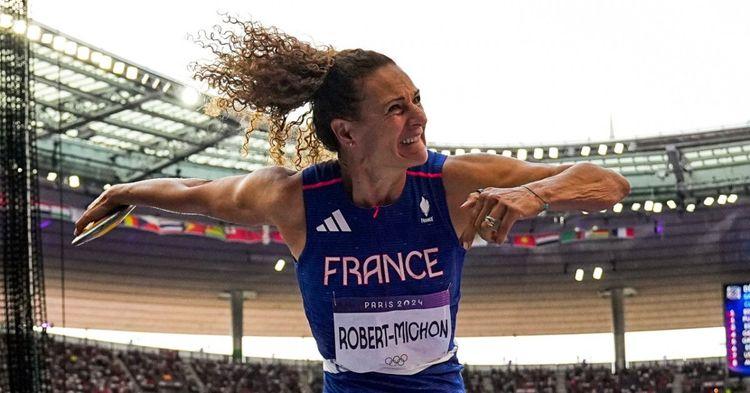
(82, 368)
(99, 368)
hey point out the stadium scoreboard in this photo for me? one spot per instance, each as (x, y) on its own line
(737, 327)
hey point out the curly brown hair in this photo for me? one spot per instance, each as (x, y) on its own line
(271, 73)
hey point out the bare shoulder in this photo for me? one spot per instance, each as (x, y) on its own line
(276, 189)
(287, 208)
(288, 197)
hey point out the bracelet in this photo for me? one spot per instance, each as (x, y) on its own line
(545, 204)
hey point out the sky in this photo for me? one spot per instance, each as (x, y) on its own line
(490, 73)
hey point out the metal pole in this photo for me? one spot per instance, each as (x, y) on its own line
(237, 299)
(618, 322)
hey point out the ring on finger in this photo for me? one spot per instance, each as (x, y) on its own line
(491, 221)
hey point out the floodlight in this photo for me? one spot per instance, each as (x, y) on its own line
(119, 68)
(722, 199)
(70, 48)
(602, 150)
(690, 207)
(617, 208)
(598, 271)
(708, 201)
(279, 265)
(58, 43)
(619, 147)
(579, 275)
(19, 26)
(6, 21)
(521, 154)
(635, 207)
(83, 53)
(33, 33)
(552, 152)
(732, 198)
(74, 181)
(585, 151)
(190, 96)
(105, 62)
(648, 206)
(671, 204)
(131, 73)
(538, 153)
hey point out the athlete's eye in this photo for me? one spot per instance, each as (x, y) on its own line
(418, 99)
(395, 107)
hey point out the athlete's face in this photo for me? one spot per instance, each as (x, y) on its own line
(390, 129)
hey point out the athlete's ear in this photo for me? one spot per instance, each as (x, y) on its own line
(343, 130)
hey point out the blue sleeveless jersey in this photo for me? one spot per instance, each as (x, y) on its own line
(381, 286)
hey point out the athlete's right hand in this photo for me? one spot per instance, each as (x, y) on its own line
(503, 206)
(102, 206)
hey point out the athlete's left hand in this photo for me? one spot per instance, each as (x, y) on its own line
(504, 205)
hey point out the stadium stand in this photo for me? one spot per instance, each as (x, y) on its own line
(87, 368)
(92, 366)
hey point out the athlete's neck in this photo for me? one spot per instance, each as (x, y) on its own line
(370, 185)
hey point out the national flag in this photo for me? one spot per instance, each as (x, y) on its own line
(276, 237)
(149, 223)
(624, 233)
(570, 236)
(215, 231)
(131, 221)
(169, 227)
(546, 238)
(43, 207)
(75, 213)
(524, 241)
(195, 228)
(597, 234)
(266, 234)
(242, 235)
(56, 211)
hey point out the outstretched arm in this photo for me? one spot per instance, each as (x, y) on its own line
(583, 186)
(245, 199)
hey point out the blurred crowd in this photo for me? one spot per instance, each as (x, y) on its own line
(80, 367)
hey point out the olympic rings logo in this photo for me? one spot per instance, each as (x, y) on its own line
(397, 360)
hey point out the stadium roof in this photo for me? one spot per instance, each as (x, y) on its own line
(121, 122)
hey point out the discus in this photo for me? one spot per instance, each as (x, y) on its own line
(103, 226)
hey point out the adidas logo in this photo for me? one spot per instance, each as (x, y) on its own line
(329, 224)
